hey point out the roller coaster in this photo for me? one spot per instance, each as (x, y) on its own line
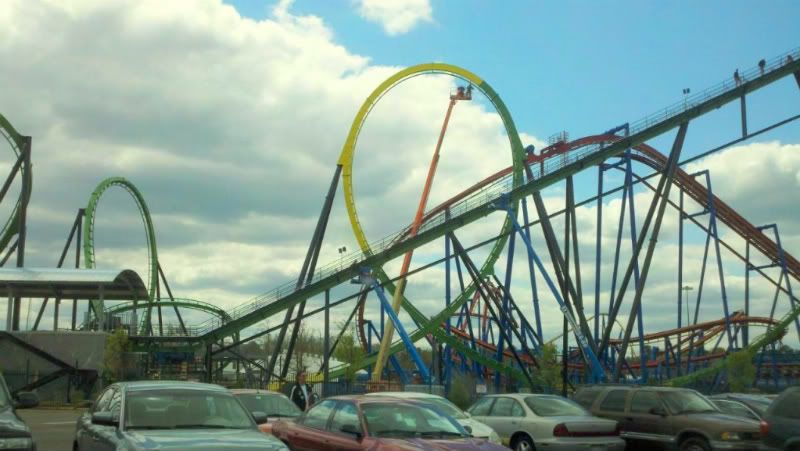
(484, 329)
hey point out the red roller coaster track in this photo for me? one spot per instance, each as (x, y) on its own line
(694, 189)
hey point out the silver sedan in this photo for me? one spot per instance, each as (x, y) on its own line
(546, 422)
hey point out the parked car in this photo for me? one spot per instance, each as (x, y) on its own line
(526, 422)
(14, 433)
(170, 416)
(742, 404)
(669, 417)
(275, 405)
(780, 427)
(363, 422)
(471, 425)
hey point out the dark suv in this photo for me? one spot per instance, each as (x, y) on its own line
(670, 418)
(780, 425)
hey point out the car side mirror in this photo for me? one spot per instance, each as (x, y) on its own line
(26, 400)
(468, 429)
(259, 417)
(104, 419)
(352, 430)
(658, 411)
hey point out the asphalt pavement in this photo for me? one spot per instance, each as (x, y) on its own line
(53, 430)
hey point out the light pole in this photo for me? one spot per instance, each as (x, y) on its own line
(686, 92)
(342, 250)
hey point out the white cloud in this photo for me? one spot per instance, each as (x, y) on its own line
(396, 16)
(231, 128)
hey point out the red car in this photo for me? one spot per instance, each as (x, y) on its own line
(375, 423)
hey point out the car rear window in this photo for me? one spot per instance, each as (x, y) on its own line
(481, 407)
(614, 401)
(554, 406)
(586, 396)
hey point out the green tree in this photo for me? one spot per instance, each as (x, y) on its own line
(117, 345)
(548, 376)
(349, 351)
(461, 387)
(741, 371)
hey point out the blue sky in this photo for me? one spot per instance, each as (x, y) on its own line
(583, 66)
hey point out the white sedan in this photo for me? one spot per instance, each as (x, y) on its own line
(529, 422)
(476, 428)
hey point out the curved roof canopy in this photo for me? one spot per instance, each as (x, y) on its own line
(108, 284)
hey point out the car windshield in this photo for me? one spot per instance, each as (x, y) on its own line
(409, 421)
(273, 404)
(554, 406)
(184, 409)
(446, 406)
(687, 401)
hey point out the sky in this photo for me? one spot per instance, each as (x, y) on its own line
(229, 118)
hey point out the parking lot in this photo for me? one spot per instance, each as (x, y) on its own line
(52, 429)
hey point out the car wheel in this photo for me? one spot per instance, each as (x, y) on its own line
(695, 444)
(523, 443)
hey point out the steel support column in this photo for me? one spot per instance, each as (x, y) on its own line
(171, 298)
(666, 175)
(598, 251)
(744, 115)
(367, 279)
(747, 266)
(588, 353)
(680, 279)
(661, 197)
(505, 322)
(326, 344)
(448, 357)
(25, 150)
(487, 296)
(306, 272)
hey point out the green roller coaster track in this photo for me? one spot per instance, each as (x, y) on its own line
(346, 160)
(641, 132)
(88, 234)
(185, 303)
(773, 334)
(14, 140)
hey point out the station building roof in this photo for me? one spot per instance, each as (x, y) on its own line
(110, 284)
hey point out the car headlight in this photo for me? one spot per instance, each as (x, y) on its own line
(730, 436)
(16, 443)
(494, 438)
